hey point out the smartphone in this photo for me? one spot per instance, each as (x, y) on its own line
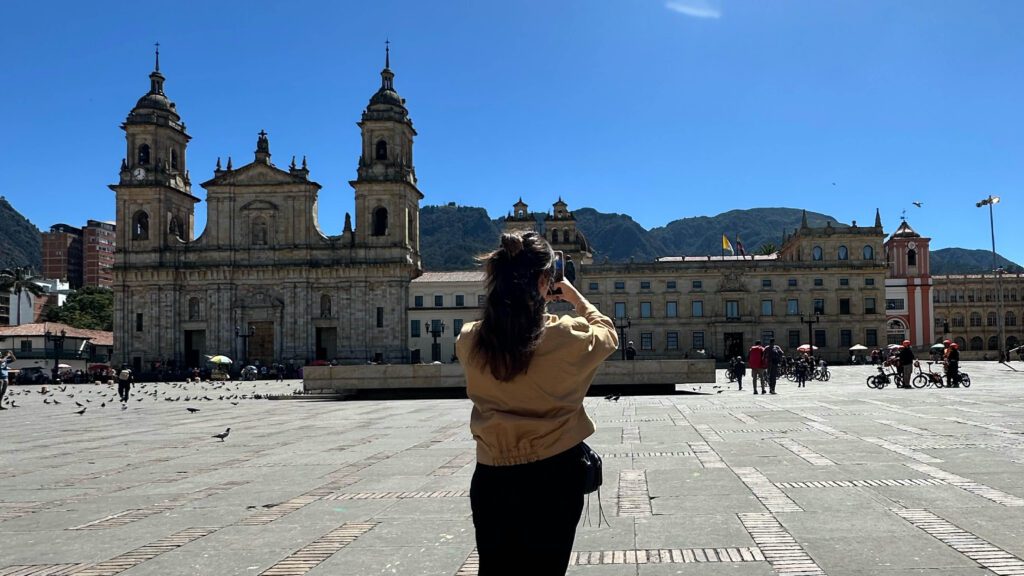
(559, 274)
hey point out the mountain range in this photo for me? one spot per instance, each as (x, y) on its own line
(451, 236)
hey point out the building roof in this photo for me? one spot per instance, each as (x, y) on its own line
(458, 276)
(747, 258)
(905, 231)
(39, 329)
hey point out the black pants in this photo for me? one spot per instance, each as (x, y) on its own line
(123, 388)
(3, 387)
(773, 376)
(526, 515)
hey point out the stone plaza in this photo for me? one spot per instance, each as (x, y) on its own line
(834, 478)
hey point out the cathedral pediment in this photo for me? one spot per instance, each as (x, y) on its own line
(256, 174)
(260, 205)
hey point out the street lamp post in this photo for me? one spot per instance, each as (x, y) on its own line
(810, 335)
(58, 347)
(991, 201)
(245, 341)
(622, 323)
(436, 330)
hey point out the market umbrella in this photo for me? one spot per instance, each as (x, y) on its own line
(893, 346)
(858, 348)
(220, 359)
(806, 348)
(63, 366)
(940, 346)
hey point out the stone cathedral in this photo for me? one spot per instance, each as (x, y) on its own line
(262, 282)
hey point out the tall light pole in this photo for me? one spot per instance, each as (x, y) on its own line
(810, 336)
(991, 201)
(623, 323)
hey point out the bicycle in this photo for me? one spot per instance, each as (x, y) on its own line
(883, 378)
(928, 378)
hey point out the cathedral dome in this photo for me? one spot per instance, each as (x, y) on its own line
(156, 102)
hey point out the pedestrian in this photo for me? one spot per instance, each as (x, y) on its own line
(772, 359)
(906, 359)
(527, 373)
(953, 366)
(755, 359)
(630, 351)
(125, 379)
(802, 367)
(740, 370)
(5, 361)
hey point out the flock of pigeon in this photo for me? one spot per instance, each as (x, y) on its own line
(98, 396)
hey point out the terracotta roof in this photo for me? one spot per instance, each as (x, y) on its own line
(96, 337)
(461, 276)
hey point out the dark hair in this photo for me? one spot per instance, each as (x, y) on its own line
(513, 317)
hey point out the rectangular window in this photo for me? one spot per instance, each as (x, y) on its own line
(819, 282)
(620, 285)
(138, 322)
(645, 309)
(766, 307)
(698, 285)
(869, 281)
(792, 306)
(766, 283)
(645, 285)
(481, 299)
(894, 303)
(414, 329)
(871, 337)
(845, 338)
(794, 339)
(732, 309)
(438, 301)
(593, 287)
(869, 306)
(26, 346)
(620, 309)
(460, 300)
(698, 340)
(767, 336)
(646, 341)
(844, 281)
(435, 327)
(456, 327)
(697, 308)
(819, 306)
(418, 301)
(671, 309)
(672, 340)
(819, 339)
(792, 283)
(844, 305)
(670, 285)
(380, 316)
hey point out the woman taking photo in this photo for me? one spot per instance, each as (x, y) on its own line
(527, 373)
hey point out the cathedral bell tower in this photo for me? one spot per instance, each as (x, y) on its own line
(386, 197)
(155, 205)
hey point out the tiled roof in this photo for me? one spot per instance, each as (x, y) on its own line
(459, 276)
(96, 337)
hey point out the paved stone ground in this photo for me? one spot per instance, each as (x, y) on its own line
(833, 479)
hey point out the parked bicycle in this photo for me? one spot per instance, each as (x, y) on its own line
(928, 378)
(884, 378)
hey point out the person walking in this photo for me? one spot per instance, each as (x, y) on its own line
(527, 373)
(772, 358)
(803, 365)
(630, 351)
(740, 370)
(125, 379)
(953, 366)
(755, 359)
(906, 358)
(5, 362)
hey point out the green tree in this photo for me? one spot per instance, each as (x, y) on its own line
(20, 280)
(89, 308)
(767, 249)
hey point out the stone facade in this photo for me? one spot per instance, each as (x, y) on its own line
(445, 300)
(262, 282)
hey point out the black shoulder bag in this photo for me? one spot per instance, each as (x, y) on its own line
(593, 477)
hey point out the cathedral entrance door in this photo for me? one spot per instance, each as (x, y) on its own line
(326, 343)
(733, 344)
(261, 343)
(195, 345)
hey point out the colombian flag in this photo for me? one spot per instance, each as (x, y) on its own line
(726, 245)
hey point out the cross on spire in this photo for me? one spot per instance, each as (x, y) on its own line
(157, 56)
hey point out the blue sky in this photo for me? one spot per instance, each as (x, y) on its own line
(658, 109)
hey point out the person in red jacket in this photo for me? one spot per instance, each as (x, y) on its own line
(755, 361)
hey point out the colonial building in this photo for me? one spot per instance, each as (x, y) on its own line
(440, 304)
(262, 282)
(908, 288)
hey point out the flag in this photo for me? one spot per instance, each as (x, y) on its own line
(739, 246)
(726, 245)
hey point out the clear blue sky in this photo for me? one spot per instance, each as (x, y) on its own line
(658, 109)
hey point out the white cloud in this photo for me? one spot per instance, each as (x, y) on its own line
(694, 8)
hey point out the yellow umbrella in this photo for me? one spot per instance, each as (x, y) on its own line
(220, 359)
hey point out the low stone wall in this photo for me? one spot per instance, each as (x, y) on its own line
(641, 373)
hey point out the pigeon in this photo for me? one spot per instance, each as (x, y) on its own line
(192, 410)
(80, 412)
(918, 204)
(222, 435)
(104, 405)
(79, 404)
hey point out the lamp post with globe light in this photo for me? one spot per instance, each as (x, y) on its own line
(996, 271)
